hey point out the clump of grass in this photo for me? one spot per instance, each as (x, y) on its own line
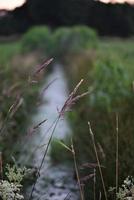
(97, 159)
(37, 38)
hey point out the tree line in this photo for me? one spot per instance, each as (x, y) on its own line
(107, 19)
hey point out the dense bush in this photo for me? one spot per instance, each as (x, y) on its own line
(74, 40)
(61, 42)
(111, 86)
(37, 38)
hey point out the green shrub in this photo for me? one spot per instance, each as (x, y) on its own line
(74, 40)
(37, 38)
(61, 42)
(111, 84)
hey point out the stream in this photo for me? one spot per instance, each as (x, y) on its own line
(56, 181)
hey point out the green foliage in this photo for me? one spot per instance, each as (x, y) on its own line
(120, 51)
(11, 188)
(126, 190)
(74, 40)
(37, 38)
(111, 84)
(15, 174)
(61, 42)
(10, 191)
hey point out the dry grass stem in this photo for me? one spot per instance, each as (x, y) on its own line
(33, 129)
(42, 66)
(49, 84)
(76, 170)
(94, 184)
(71, 100)
(65, 146)
(39, 124)
(18, 102)
(1, 166)
(12, 110)
(117, 151)
(100, 196)
(98, 161)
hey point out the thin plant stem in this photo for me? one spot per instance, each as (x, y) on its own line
(98, 161)
(94, 184)
(100, 196)
(1, 167)
(76, 170)
(4, 123)
(117, 152)
(41, 146)
(67, 196)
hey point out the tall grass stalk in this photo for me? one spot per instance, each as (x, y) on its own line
(98, 161)
(117, 152)
(76, 170)
(94, 180)
(1, 167)
(12, 110)
(100, 196)
(72, 150)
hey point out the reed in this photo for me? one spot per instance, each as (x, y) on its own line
(77, 171)
(97, 159)
(117, 152)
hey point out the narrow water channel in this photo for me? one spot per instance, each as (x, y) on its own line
(56, 181)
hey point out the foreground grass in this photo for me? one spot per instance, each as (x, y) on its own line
(17, 96)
